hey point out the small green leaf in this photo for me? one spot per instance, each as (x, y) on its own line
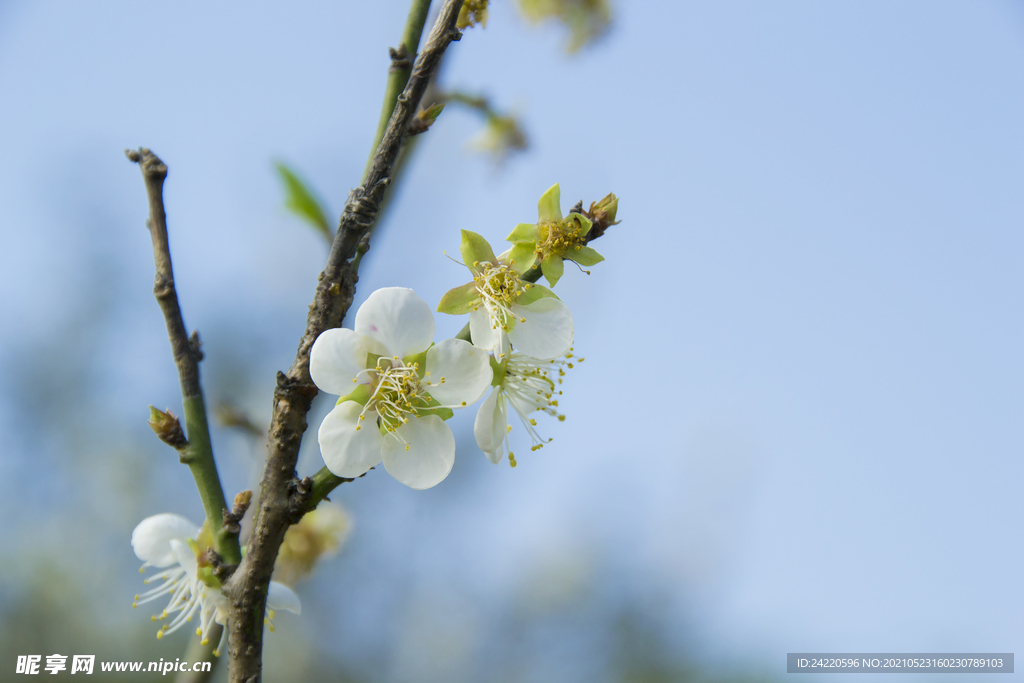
(460, 300)
(524, 233)
(524, 257)
(552, 267)
(300, 200)
(585, 256)
(549, 208)
(475, 249)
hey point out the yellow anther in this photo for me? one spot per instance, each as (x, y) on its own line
(522, 320)
(533, 422)
(142, 570)
(358, 427)
(159, 635)
(561, 418)
(361, 416)
(509, 428)
(463, 403)
(216, 653)
(199, 632)
(354, 380)
(407, 446)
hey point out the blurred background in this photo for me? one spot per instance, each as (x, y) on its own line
(799, 426)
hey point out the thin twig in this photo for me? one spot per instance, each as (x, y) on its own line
(284, 499)
(197, 453)
(401, 67)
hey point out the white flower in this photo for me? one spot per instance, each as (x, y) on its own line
(529, 385)
(168, 541)
(504, 309)
(396, 389)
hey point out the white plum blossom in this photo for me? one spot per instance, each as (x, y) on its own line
(529, 385)
(506, 310)
(168, 542)
(396, 390)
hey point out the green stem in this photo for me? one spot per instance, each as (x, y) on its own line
(198, 453)
(200, 460)
(398, 77)
(324, 482)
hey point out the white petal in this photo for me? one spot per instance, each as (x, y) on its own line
(347, 451)
(280, 596)
(220, 606)
(151, 539)
(466, 371)
(547, 332)
(430, 456)
(503, 349)
(484, 336)
(336, 358)
(491, 425)
(186, 558)
(396, 321)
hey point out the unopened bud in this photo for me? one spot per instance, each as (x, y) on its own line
(166, 426)
(603, 214)
(425, 118)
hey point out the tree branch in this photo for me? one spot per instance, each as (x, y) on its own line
(197, 453)
(284, 499)
(401, 67)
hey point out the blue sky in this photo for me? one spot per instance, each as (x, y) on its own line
(800, 417)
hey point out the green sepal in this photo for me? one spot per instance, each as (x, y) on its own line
(584, 222)
(361, 394)
(301, 201)
(549, 208)
(523, 233)
(499, 371)
(459, 300)
(205, 574)
(552, 267)
(420, 358)
(585, 256)
(524, 257)
(535, 293)
(475, 249)
(443, 413)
